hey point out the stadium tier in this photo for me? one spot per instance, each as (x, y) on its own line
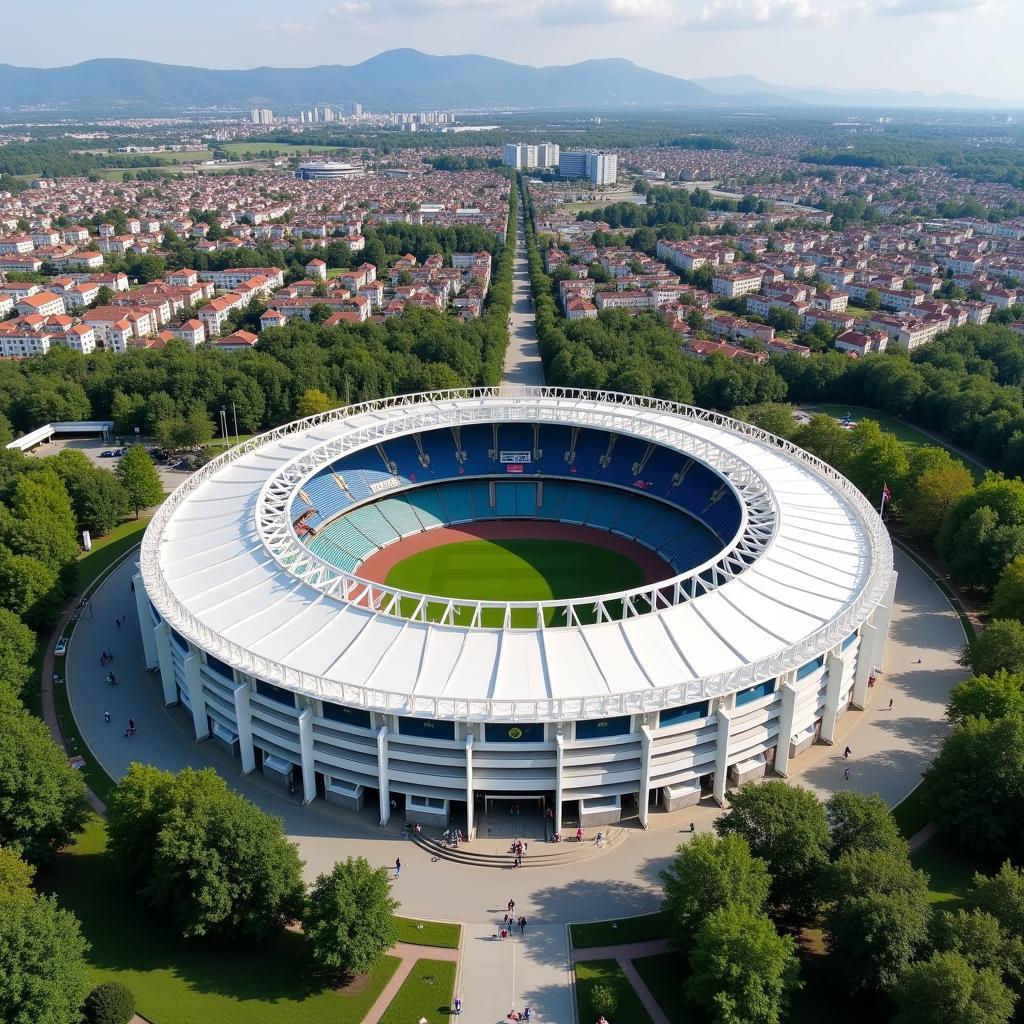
(597, 707)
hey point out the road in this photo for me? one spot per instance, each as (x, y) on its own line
(522, 359)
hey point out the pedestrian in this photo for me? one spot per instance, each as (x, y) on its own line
(522, 926)
(846, 773)
(599, 839)
(103, 658)
(110, 654)
(106, 717)
(113, 679)
(890, 703)
(131, 726)
(117, 622)
(918, 662)
(511, 906)
(505, 919)
(398, 866)
(847, 752)
(132, 584)
(579, 835)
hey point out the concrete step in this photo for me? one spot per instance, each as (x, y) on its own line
(538, 854)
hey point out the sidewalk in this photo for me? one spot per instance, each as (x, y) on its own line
(409, 955)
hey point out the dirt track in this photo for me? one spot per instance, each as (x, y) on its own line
(378, 565)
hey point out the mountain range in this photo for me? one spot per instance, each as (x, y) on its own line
(410, 80)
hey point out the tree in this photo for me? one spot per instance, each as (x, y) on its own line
(878, 459)
(786, 827)
(319, 312)
(17, 645)
(707, 874)
(110, 1003)
(1002, 896)
(984, 531)
(859, 822)
(219, 865)
(999, 648)
(982, 941)
(872, 299)
(926, 502)
(311, 402)
(1008, 597)
(825, 437)
(987, 696)
(15, 875)
(42, 798)
(29, 588)
(771, 416)
(349, 921)
(44, 977)
(975, 786)
(604, 1000)
(946, 987)
(742, 970)
(98, 497)
(139, 477)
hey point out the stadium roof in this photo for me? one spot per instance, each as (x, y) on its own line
(222, 565)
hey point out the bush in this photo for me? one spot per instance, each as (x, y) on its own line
(110, 1003)
(603, 1000)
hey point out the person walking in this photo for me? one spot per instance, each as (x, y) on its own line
(511, 906)
(847, 752)
(522, 926)
(846, 774)
(579, 835)
(106, 717)
(398, 866)
(890, 703)
(457, 1006)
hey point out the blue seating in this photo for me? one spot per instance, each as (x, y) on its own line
(400, 515)
(426, 504)
(480, 494)
(368, 521)
(456, 502)
(504, 499)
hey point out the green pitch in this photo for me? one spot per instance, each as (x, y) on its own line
(513, 570)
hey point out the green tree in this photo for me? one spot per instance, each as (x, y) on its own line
(872, 300)
(1008, 597)
(139, 478)
(319, 312)
(859, 822)
(774, 417)
(111, 1002)
(926, 502)
(1002, 896)
(975, 786)
(982, 941)
(15, 875)
(992, 696)
(1000, 647)
(42, 798)
(825, 437)
(219, 866)
(604, 1000)
(17, 645)
(786, 827)
(98, 498)
(311, 402)
(742, 970)
(44, 977)
(42, 504)
(349, 921)
(136, 810)
(709, 873)
(29, 588)
(878, 459)
(946, 987)
(127, 412)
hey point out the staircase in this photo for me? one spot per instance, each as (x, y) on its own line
(538, 855)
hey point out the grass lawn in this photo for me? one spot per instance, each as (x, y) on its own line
(907, 435)
(614, 933)
(107, 550)
(950, 871)
(514, 570)
(427, 992)
(177, 982)
(239, 149)
(429, 933)
(607, 972)
(912, 813)
(663, 975)
(859, 312)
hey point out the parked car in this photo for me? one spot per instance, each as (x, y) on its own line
(62, 647)
(108, 454)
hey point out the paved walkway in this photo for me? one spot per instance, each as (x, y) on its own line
(624, 955)
(522, 358)
(409, 954)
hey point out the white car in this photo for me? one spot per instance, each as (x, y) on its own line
(62, 647)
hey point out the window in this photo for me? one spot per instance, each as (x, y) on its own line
(426, 727)
(435, 803)
(688, 713)
(220, 667)
(532, 732)
(349, 716)
(849, 640)
(748, 696)
(272, 692)
(599, 728)
(812, 666)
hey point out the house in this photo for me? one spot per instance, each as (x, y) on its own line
(272, 318)
(215, 313)
(734, 283)
(580, 308)
(316, 269)
(191, 331)
(859, 343)
(44, 303)
(240, 341)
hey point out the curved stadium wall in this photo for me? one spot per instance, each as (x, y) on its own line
(766, 628)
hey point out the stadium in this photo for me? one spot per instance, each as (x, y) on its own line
(453, 604)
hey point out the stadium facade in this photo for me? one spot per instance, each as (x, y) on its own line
(767, 626)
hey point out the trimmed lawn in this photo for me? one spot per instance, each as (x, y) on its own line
(949, 871)
(427, 992)
(664, 975)
(615, 933)
(107, 550)
(908, 436)
(591, 973)
(178, 982)
(912, 813)
(239, 149)
(429, 933)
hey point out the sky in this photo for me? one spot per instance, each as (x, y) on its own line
(935, 46)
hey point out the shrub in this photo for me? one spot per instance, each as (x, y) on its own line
(110, 1003)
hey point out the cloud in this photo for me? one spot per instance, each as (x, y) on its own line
(349, 9)
(288, 28)
(750, 14)
(567, 12)
(901, 8)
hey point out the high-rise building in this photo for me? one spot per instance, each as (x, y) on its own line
(547, 154)
(572, 165)
(525, 156)
(261, 115)
(357, 110)
(599, 168)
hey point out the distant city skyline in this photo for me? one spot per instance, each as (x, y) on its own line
(933, 46)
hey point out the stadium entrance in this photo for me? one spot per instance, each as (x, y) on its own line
(511, 816)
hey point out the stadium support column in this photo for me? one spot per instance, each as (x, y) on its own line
(787, 717)
(559, 754)
(194, 678)
(469, 786)
(306, 752)
(145, 623)
(835, 665)
(865, 666)
(243, 726)
(644, 799)
(725, 712)
(165, 658)
(881, 619)
(384, 788)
